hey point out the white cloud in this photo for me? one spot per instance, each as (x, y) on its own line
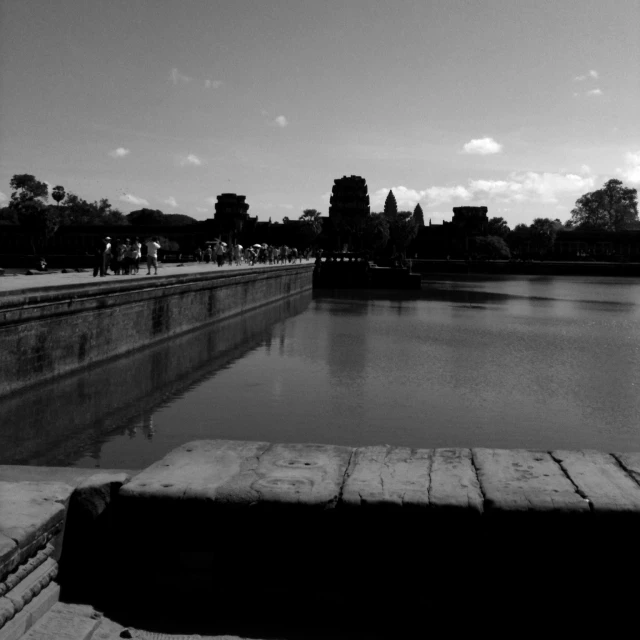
(3, 197)
(120, 152)
(191, 159)
(592, 73)
(177, 77)
(594, 92)
(408, 198)
(212, 84)
(171, 201)
(212, 200)
(201, 210)
(631, 172)
(529, 186)
(131, 199)
(482, 146)
(287, 206)
(281, 121)
(585, 168)
(326, 196)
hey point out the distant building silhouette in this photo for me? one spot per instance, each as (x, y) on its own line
(232, 213)
(348, 208)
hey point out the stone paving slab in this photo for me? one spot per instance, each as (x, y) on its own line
(601, 480)
(245, 473)
(454, 483)
(525, 481)
(388, 476)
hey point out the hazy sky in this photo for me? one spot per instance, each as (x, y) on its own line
(519, 106)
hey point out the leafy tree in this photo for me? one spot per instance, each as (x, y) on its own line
(494, 247)
(311, 224)
(41, 223)
(76, 211)
(8, 216)
(285, 220)
(58, 194)
(178, 219)
(390, 205)
(498, 227)
(146, 217)
(612, 208)
(402, 228)
(376, 231)
(543, 233)
(418, 216)
(26, 189)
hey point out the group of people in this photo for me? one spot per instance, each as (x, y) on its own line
(257, 254)
(123, 256)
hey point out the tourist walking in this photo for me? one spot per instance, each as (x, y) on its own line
(219, 254)
(137, 254)
(152, 255)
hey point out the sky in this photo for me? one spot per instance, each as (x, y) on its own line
(515, 105)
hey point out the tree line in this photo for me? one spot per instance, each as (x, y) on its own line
(29, 208)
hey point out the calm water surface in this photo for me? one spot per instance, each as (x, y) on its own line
(533, 362)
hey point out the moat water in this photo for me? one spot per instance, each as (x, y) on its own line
(509, 362)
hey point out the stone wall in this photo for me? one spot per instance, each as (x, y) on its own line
(46, 333)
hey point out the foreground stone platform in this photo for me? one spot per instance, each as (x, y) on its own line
(474, 482)
(252, 539)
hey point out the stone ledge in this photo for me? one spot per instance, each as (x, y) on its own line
(224, 474)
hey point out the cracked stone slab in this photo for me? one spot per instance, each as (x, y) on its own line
(631, 463)
(601, 479)
(454, 483)
(200, 466)
(228, 472)
(525, 481)
(28, 510)
(391, 476)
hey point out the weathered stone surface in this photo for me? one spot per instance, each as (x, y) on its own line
(309, 474)
(525, 481)
(66, 622)
(631, 462)
(7, 611)
(28, 512)
(601, 479)
(15, 628)
(33, 584)
(94, 494)
(454, 484)
(245, 473)
(202, 467)
(7, 551)
(392, 476)
(24, 569)
(68, 475)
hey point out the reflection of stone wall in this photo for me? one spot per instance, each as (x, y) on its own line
(82, 409)
(45, 334)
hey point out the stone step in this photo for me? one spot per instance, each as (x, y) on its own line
(66, 622)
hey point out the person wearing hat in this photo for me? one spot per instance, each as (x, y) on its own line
(102, 252)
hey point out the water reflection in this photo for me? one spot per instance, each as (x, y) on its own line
(508, 362)
(64, 420)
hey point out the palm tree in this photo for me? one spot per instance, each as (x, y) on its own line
(58, 194)
(312, 223)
